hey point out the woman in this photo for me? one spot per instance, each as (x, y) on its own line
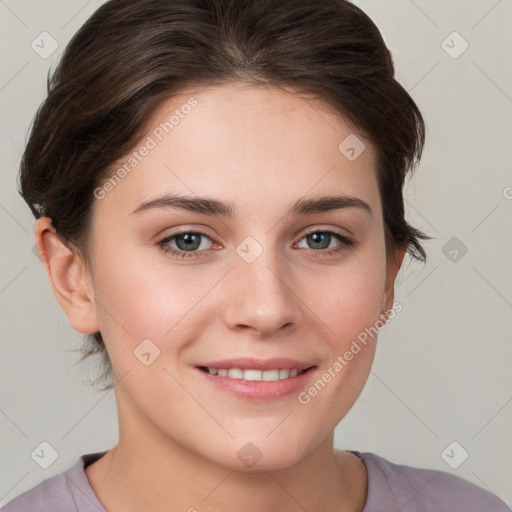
(218, 193)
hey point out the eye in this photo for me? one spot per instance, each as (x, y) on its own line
(321, 242)
(188, 243)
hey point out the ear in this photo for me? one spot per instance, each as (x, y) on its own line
(393, 266)
(71, 282)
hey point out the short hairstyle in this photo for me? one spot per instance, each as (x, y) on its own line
(132, 55)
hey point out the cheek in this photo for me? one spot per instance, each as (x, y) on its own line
(348, 299)
(142, 298)
(348, 305)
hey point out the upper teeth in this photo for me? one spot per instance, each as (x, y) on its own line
(237, 373)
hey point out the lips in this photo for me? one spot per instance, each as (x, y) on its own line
(258, 379)
(247, 363)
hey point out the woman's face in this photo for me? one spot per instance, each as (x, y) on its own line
(271, 281)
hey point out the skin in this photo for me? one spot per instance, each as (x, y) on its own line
(260, 148)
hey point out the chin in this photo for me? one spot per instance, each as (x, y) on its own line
(260, 454)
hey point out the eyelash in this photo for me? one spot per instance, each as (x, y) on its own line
(346, 244)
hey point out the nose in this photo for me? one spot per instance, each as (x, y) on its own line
(260, 296)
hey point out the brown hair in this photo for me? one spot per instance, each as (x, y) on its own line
(132, 55)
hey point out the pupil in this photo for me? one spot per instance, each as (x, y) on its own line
(188, 238)
(316, 236)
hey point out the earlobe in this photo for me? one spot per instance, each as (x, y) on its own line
(70, 281)
(391, 272)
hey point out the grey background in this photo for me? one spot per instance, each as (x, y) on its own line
(442, 368)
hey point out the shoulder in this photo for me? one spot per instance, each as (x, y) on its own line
(68, 491)
(51, 494)
(412, 489)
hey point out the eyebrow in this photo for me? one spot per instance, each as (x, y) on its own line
(209, 206)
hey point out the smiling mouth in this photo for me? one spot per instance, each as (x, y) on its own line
(256, 375)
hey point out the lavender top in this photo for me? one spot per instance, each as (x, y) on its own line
(391, 488)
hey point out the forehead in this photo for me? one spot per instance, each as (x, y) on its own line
(241, 141)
